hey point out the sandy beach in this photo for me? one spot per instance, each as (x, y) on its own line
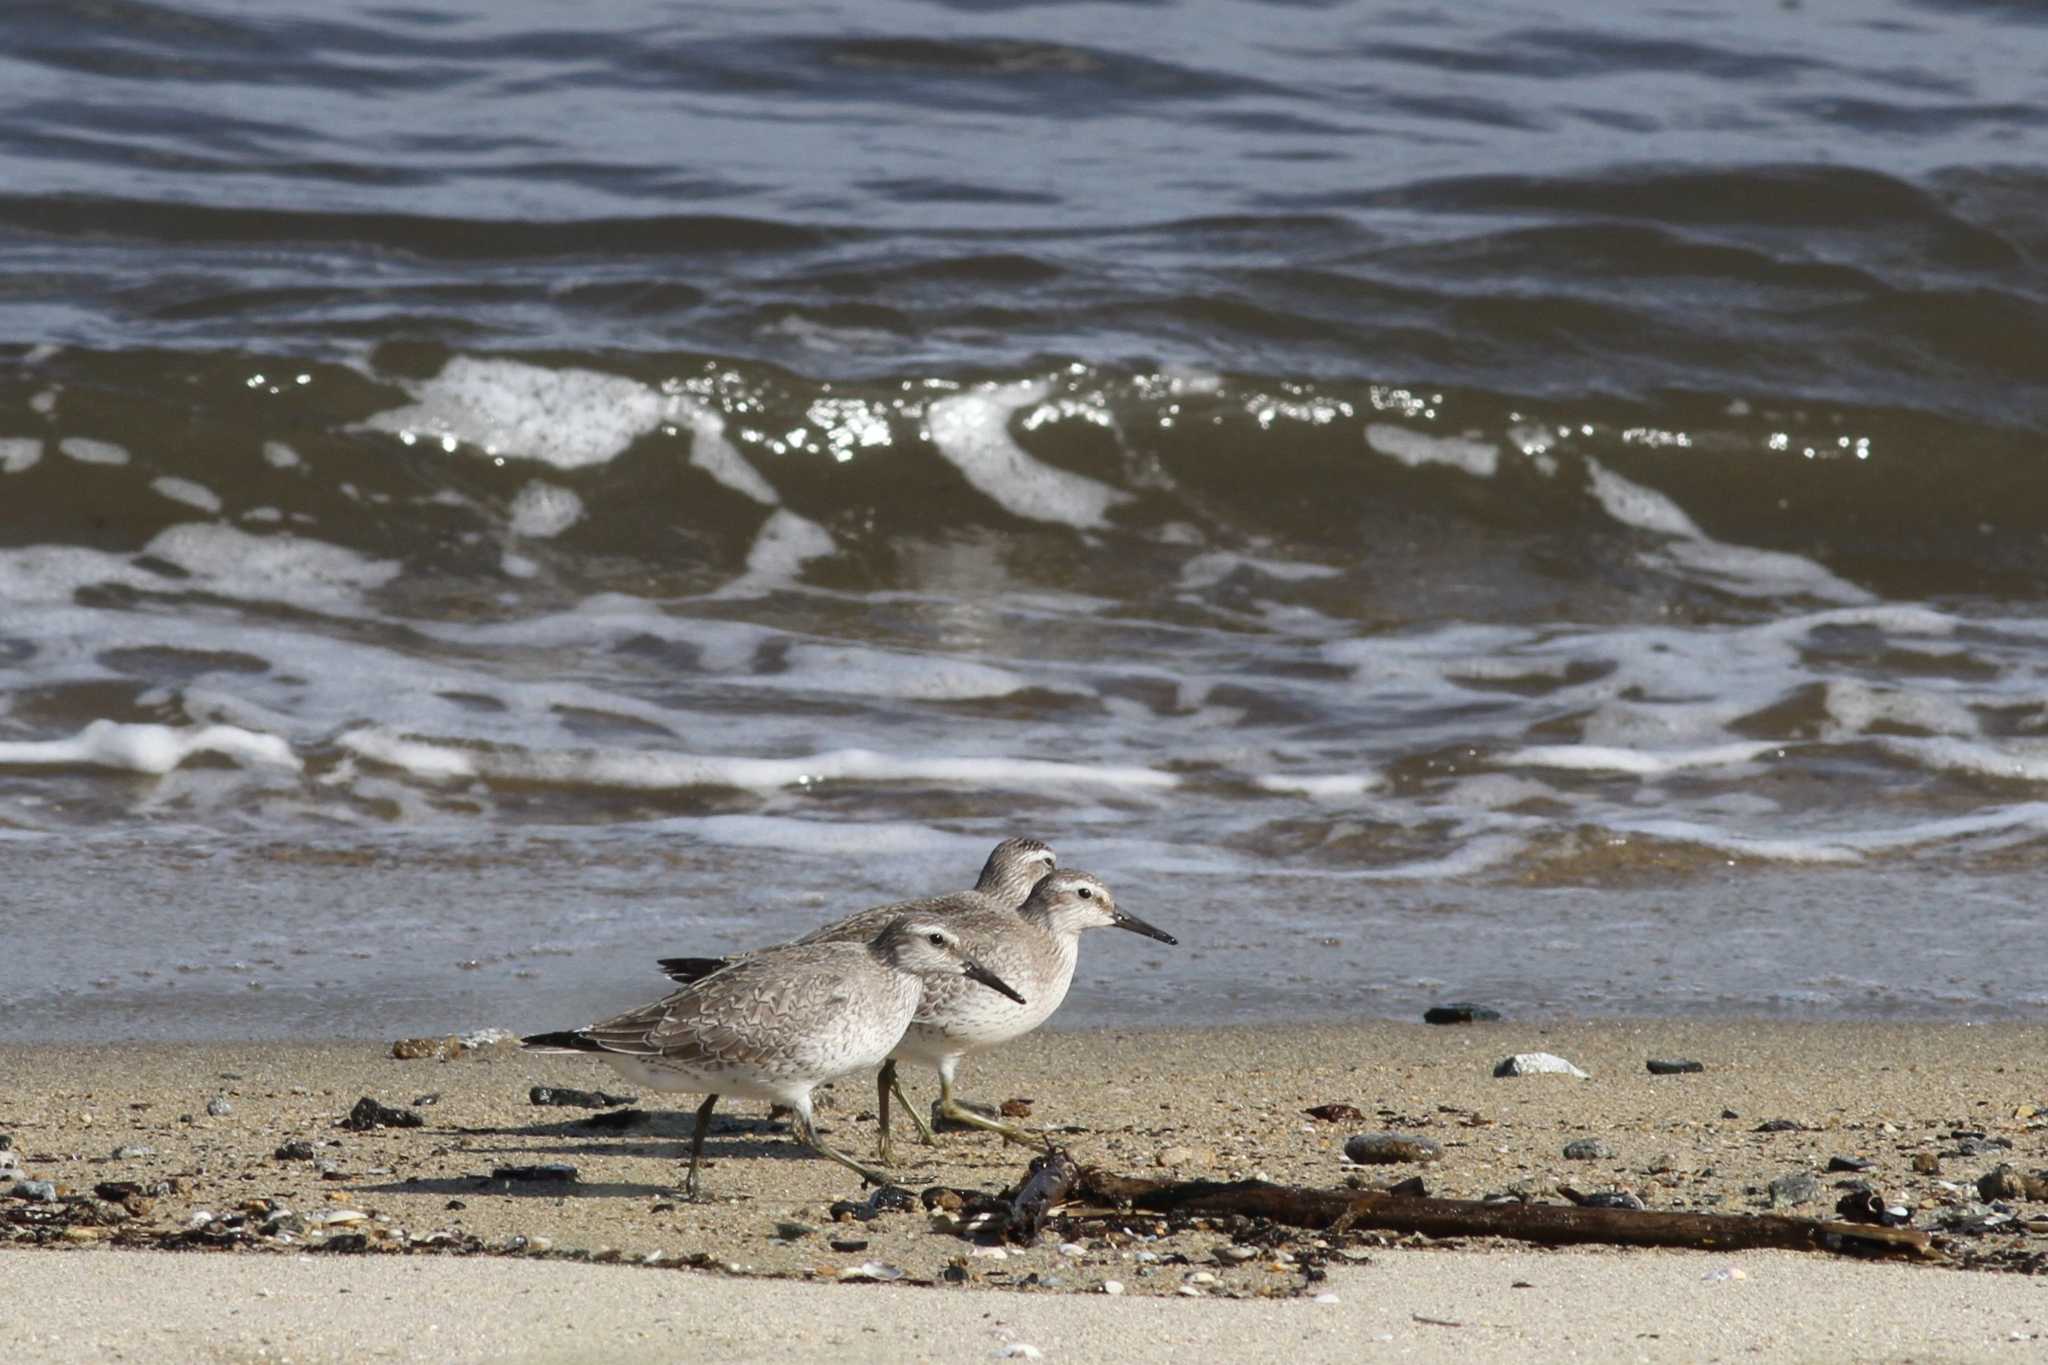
(1932, 1108)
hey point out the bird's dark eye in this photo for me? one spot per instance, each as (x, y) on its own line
(1086, 894)
(936, 939)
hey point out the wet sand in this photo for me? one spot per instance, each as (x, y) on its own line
(1218, 1103)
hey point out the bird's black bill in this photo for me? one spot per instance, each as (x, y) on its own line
(1138, 926)
(977, 972)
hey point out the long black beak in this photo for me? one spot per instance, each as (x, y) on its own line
(976, 972)
(1138, 926)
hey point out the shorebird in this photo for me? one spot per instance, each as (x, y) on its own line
(1014, 866)
(777, 1023)
(1035, 946)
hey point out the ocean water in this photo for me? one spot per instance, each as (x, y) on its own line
(1534, 503)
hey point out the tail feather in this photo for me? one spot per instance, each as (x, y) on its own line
(566, 1040)
(688, 969)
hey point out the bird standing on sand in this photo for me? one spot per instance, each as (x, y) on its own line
(1036, 946)
(1014, 866)
(775, 1024)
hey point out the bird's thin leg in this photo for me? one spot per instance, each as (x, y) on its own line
(807, 1133)
(950, 1108)
(885, 1081)
(690, 1186)
(924, 1130)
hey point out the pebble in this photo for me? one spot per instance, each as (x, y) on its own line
(1181, 1156)
(790, 1231)
(1460, 1012)
(131, 1151)
(1610, 1199)
(218, 1107)
(1587, 1149)
(1072, 1249)
(1336, 1113)
(43, 1191)
(1112, 1287)
(560, 1172)
(1661, 1066)
(1019, 1350)
(1788, 1191)
(1781, 1126)
(1201, 1277)
(1926, 1163)
(1851, 1164)
(1383, 1149)
(577, 1099)
(1537, 1064)
(2003, 1182)
(368, 1114)
(871, 1271)
(1236, 1255)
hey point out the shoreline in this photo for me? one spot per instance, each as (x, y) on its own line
(1222, 1103)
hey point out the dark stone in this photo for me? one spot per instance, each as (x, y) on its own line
(1587, 1149)
(1661, 1066)
(617, 1121)
(1865, 1205)
(6, 1142)
(298, 1149)
(1016, 1108)
(577, 1099)
(848, 1244)
(1788, 1191)
(1781, 1126)
(422, 1101)
(1605, 1199)
(1386, 1149)
(369, 1114)
(343, 1243)
(1336, 1113)
(1460, 1012)
(455, 1206)
(1414, 1187)
(559, 1172)
(1850, 1163)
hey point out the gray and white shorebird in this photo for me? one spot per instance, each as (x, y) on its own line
(1013, 867)
(775, 1024)
(1035, 946)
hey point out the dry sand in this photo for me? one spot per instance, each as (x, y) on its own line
(1218, 1103)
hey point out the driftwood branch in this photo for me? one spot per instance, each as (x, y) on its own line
(1555, 1224)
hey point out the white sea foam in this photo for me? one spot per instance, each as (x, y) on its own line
(2023, 759)
(278, 455)
(859, 671)
(86, 450)
(781, 548)
(1417, 448)
(148, 748)
(711, 452)
(279, 568)
(19, 454)
(1738, 569)
(654, 770)
(1207, 570)
(1813, 849)
(1320, 786)
(1636, 762)
(186, 491)
(569, 418)
(1857, 706)
(972, 431)
(543, 510)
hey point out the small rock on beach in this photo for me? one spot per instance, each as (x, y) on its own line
(1385, 1149)
(1537, 1064)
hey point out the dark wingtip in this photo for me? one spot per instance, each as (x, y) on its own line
(563, 1038)
(689, 969)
